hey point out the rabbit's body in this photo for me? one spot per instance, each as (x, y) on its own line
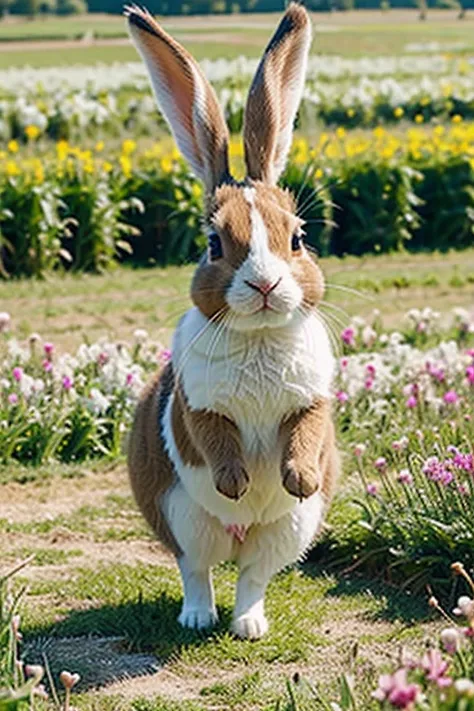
(232, 453)
(255, 379)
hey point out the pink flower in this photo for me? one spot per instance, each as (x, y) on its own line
(451, 397)
(47, 365)
(380, 463)
(411, 402)
(405, 477)
(348, 337)
(372, 489)
(67, 382)
(369, 383)
(359, 450)
(48, 349)
(370, 370)
(18, 373)
(342, 396)
(13, 399)
(435, 667)
(129, 378)
(397, 690)
(344, 362)
(470, 374)
(102, 358)
(165, 355)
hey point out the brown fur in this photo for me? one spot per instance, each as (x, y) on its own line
(150, 470)
(270, 110)
(178, 69)
(229, 213)
(303, 436)
(218, 440)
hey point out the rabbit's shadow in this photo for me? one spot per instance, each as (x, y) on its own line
(114, 642)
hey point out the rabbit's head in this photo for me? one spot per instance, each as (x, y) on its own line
(256, 268)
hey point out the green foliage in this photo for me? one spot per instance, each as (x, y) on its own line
(446, 206)
(86, 217)
(71, 7)
(376, 205)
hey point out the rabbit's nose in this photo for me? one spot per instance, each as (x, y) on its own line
(264, 287)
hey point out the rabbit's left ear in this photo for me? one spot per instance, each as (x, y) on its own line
(185, 97)
(275, 95)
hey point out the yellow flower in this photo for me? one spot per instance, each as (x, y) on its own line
(38, 171)
(166, 164)
(99, 146)
(419, 118)
(12, 169)
(179, 195)
(126, 165)
(62, 149)
(196, 190)
(424, 101)
(108, 167)
(13, 146)
(340, 132)
(398, 112)
(350, 112)
(318, 174)
(457, 118)
(379, 132)
(438, 131)
(128, 146)
(32, 132)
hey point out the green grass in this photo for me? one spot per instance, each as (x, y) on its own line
(314, 620)
(350, 34)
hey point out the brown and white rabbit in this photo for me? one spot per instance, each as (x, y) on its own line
(232, 453)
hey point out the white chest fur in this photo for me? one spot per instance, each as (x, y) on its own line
(257, 380)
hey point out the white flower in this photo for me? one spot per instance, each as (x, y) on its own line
(5, 320)
(464, 687)
(465, 607)
(140, 335)
(450, 640)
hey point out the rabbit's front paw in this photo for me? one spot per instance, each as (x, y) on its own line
(197, 618)
(299, 481)
(250, 626)
(232, 480)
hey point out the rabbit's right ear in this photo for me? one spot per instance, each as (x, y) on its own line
(275, 95)
(185, 98)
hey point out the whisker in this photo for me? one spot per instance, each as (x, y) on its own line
(335, 308)
(211, 350)
(195, 339)
(350, 290)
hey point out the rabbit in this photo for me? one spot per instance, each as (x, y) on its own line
(232, 452)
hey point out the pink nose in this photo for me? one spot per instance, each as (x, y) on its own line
(264, 287)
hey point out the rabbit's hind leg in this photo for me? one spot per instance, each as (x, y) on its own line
(266, 550)
(204, 543)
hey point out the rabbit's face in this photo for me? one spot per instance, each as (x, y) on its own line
(257, 268)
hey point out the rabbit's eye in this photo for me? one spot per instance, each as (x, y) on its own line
(296, 242)
(215, 246)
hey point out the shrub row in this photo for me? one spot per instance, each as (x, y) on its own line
(83, 213)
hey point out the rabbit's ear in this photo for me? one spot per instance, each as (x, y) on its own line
(185, 97)
(275, 95)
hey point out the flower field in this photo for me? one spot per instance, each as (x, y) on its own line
(382, 168)
(100, 101)
(84, 208)
(404, 402)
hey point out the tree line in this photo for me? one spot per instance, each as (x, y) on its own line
(33, 8)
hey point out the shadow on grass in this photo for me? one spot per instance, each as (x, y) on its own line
(396, 603)
(114, 642)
